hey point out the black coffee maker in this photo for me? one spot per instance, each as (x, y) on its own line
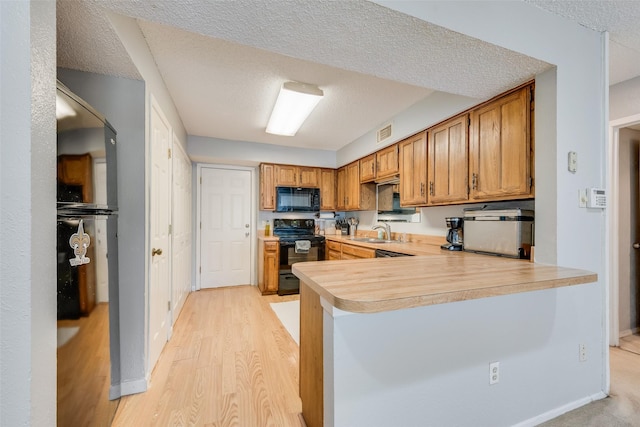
(454, 235)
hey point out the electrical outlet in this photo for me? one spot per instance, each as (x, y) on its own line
(494, 373)
(582, 352)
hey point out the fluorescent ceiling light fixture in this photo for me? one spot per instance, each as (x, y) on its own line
(294, 104)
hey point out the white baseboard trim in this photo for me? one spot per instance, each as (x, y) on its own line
(539, 419)
(133, 387)
(629, 332)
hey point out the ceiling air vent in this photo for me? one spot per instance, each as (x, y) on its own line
(384, 133)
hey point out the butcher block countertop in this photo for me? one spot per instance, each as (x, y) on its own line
(385, 284)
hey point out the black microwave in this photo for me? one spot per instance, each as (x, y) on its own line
(296, 199)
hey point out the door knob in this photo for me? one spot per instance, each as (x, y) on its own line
(636, 246)
(155, 251)
(246, 226)
(246, 234)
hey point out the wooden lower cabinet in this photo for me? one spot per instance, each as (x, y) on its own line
(268, 262)
(338, 251)
(357, 252)
(333, 250)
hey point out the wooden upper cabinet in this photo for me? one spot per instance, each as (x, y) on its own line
(351, 194)
(368, 168)
(327, 189)
(267, 187)
(448, 159)
(352, 190)
(286, 175)
(341, 188)
(308, 177)
(413, 170)
(296, 176)
(387, 162)
(500, 148)
(77, 170)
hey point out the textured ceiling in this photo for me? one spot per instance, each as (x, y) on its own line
(620, 18)
(223, 61)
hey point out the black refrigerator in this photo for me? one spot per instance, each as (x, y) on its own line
(87, 262)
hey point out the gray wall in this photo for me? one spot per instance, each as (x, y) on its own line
(27, 214)
(624, 99)
(122, 102)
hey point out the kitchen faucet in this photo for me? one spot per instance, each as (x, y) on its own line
(386, 227)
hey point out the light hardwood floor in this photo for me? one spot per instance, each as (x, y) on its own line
(230, 363)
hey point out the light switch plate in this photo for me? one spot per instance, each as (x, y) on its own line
(573, 161)
(582, 198)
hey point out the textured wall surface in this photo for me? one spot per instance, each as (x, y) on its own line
(27, 214)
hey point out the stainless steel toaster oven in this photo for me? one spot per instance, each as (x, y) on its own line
(503, 232)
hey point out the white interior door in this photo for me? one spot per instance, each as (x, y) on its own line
(180, 229)
(225, 228)
(159, 278)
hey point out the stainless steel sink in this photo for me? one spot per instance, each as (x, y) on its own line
(373, 240)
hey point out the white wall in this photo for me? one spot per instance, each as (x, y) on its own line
(241, 153)
(422, 115)
(437, 373)
(27, 214)
(623, 99)
(108, 95)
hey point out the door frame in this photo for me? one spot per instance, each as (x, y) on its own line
(613, 228)
(253, 215)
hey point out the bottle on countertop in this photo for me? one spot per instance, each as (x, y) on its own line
(267, 229)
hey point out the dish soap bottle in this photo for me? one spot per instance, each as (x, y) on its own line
(267, 229)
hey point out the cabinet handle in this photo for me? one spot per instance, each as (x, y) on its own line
(431, 188)
(422, 188)
(474, 181)
(155, 252)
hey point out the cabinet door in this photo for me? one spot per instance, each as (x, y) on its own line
(267, 187)
(341, 189)
(268, 261)
(333, 250)
(357, 252)
(308, 177)
(448, 161)
(271, 261)
(387, 162)
(413, 170)
(368, 168)
(77, 170)
(286, 175)
(327, 189)
(500, 148)
(353, 186)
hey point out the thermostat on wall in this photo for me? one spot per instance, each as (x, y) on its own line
(596, 198)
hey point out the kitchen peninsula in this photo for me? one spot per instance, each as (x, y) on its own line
(408, 341)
